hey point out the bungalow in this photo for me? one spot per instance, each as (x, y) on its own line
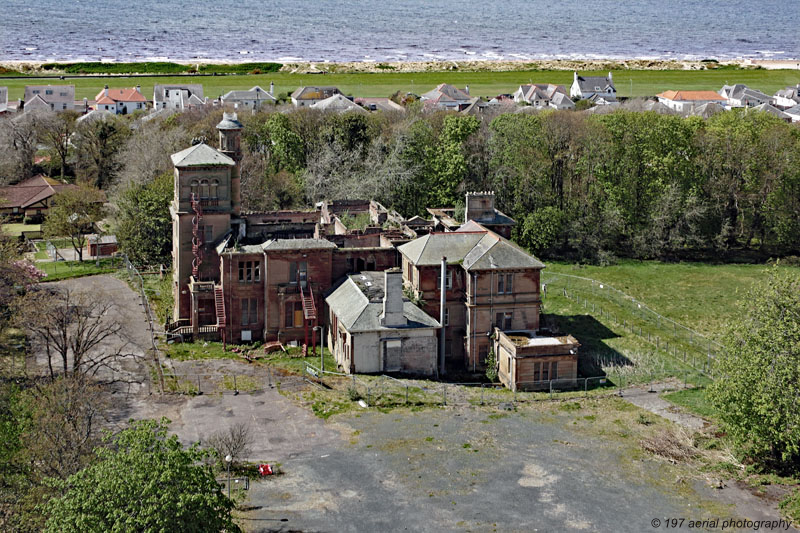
(338, 103)
(178, 97)
(121, 101)
(253, 98)
(544, 95)
(379, 104)
(375, 328)
(584, 87)
(687, 101)
(447, 97)
(30, 198)
(741, 95)
(49, 97)
(308, 96)
(788, 97)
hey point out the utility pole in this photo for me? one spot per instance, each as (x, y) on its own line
(442, 294)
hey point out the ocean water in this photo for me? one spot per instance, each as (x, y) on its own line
(397, 30)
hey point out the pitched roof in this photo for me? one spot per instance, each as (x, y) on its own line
(95, 114)
(201, 155)
(314, 93)
(254, 93)
(445, 92)
(338, 103)
(119, 95)
(358, 304)
(297, 244)
(30, 191)
(191, 88)
(794, 111)
(772, 110)
(58, 93)
(475, 250)
(691, 96)
(708, 109)
(589, 83)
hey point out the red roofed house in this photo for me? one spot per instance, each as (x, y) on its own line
(121, 101)
(30, 198)
(687, 101)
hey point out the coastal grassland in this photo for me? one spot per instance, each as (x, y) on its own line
(701, 296)
(485, 83)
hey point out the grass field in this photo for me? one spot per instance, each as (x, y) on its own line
(58, 270)
(628, 82)
(15, 230)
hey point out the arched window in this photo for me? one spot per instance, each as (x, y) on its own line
(195, 188)
(204, 189)
(213, 192)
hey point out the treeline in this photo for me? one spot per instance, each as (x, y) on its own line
(588, 187)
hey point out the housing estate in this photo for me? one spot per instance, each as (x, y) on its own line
(49, 98)
(308, 96)
(253, 98)
(177, 97)
(586, 87)
(121, 101)
(544, 95)
(30, 198)
(687, 101)
(286, 275)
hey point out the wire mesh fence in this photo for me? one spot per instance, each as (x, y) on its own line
(683, 345)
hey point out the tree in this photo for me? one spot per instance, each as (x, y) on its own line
(236, 442)
(144, 481)
(143, 223)
(97, 144)
(18, 140)
(73, 330)
(55, 130)
(757, 390)
(74, 214)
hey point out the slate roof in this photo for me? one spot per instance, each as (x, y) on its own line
(314, 93)
(741, 91)
(229, 122)
(709, 109)
(191, 88)
(772, 110)
(254, 93)
(358, 304)
(338, 103)
(791, 92)
(201, 155)
(95, 114)
(587, 84)
(30, 191)
(68, 95)
(379, 104)
(297, 244)
(793, 111)
(447, 93)
(475, 250)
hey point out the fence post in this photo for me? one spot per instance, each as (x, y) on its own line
(444, 394)
(406, 394)
(199, 392)
(482, 393)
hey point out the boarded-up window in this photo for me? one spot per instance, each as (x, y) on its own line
(294, 315)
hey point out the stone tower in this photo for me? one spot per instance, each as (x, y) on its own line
(230, 144)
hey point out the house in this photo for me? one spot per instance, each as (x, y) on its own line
(379, 104)
(179, 97)
(30, 198)
(308, 96)
(708, 110)
(544, 95)
(687, 101)
(793, 113)
(95, 115)
(772, 110)
(375, 328)
(740, 95)
(479, 207)
(585, 87)
(447, 97)
(476, 107)
(599, 100)
(529, 360)
(788, 97)
(253, 98)
(338, 103)
(489, 282)
(49, 97)
(121, 101)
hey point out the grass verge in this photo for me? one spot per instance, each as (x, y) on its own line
(60, 270)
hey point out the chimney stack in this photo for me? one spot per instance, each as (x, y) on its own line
(442, 302)
(466, 89)
(139, 89)
(105, 90)
(393, 315)
(272, 88)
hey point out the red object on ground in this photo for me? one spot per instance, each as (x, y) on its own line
(265, 470)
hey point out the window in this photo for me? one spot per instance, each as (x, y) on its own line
(208, 233)
(294, 315)
(503, 320)
(49, 91)
(505, 283)
(249, 311)
(448, 281)
(545, 375)
(446, 316)
(194, 185)
(204, 189)
(213, 189)
(298, 271)
(554, 370)
(249, 271)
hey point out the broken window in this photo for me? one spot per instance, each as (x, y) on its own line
(298, 271)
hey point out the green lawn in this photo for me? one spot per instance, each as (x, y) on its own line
(15, 230)
(694, 400)
(289, 360)
(702, 296)
(58, 270)
(635, 82)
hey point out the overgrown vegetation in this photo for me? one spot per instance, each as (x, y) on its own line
(159, 67)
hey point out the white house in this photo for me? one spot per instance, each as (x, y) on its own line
(741, 95)
(180, 97)
(544, 95)
(308, 96)
(52, 97)
(250, 99)
(687, 101)
(121, 101)
(584, 87)
(788, 97)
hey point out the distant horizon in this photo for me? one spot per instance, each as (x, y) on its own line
(385, 31)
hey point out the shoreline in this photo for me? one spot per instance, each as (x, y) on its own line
(489, 65)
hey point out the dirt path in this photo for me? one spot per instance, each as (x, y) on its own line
(649, 398)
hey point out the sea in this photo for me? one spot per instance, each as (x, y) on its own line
(397, 30)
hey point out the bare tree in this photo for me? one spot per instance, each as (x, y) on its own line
(18, 138)
(55, 130)
(145, 154)
(236, 442)
(74, 332)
